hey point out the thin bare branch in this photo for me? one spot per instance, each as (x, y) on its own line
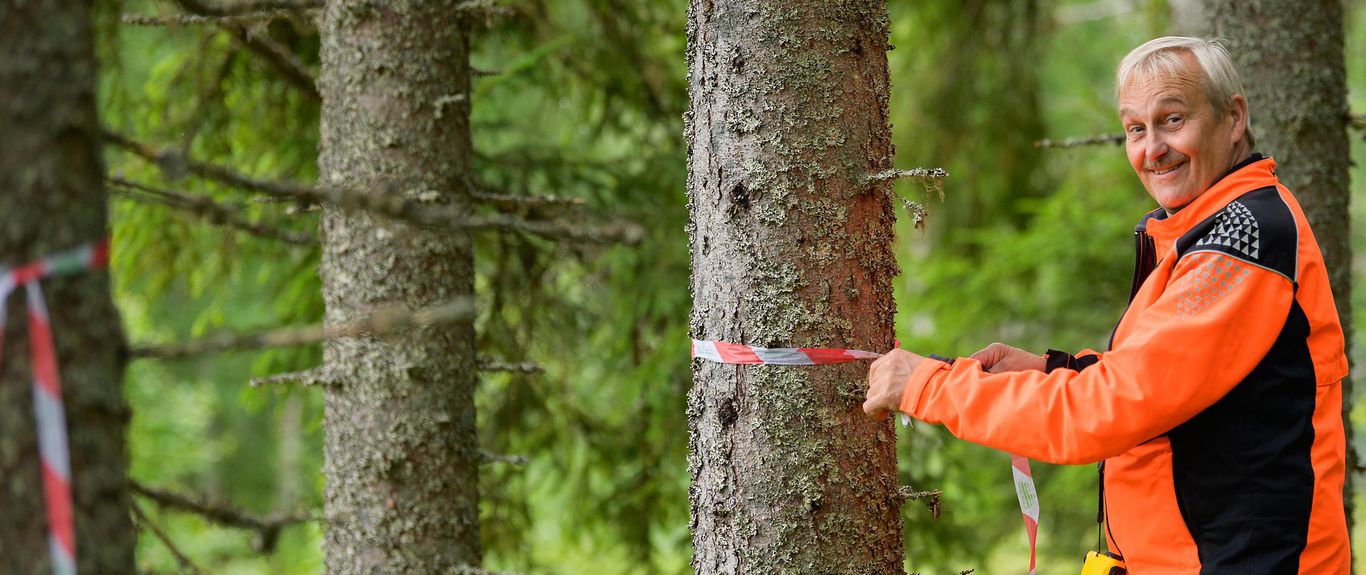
(510, 202)
(250, 6)
(379, 322)
(913, 173)
(307, 377)
(1100, 140)
(616, 232)
(142, 521)
(483, 11)
(267, 528)
(207, 209)
(1096, 10)
(931, 498)
(468, 570)
(1357, 122)
(491, 457)
(245, 18)
(488, 364)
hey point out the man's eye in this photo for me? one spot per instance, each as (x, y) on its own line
(1135, 130)
(1173, 119)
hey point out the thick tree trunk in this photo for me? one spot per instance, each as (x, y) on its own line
(402, 477)
(51, 200)
(1292, 59)
(791, 246)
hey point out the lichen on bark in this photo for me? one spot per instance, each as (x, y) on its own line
(791, 246)
(401, 457)
(52, 199)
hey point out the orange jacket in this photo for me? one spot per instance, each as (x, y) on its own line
(1217, 410)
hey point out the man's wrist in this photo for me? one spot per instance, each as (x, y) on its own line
(919, 379)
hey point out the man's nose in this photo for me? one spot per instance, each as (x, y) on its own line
(1157, 147)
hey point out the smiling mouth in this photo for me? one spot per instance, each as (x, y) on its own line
(1167, 170)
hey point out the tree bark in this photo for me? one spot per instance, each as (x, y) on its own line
(51, 200)
(401, 466)
(1292, 58)
(791, 245)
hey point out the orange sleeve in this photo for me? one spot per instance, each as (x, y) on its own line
(1216, 320)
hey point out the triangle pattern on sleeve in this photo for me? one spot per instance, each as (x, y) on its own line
(1235, 228)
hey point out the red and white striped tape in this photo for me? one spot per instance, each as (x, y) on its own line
(48, 409)
(725, 352)
(1029, 501)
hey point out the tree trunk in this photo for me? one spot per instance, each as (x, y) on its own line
(1292, 60)
(791, 244)
(402, 477)
(51, 200)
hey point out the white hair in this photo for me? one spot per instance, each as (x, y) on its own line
(1162, 57)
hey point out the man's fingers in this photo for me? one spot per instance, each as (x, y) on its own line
(991, 354)
(871, 409)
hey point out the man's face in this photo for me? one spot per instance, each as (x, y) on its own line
(1175, 142)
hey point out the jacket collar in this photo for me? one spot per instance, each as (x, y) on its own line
(1254, 173)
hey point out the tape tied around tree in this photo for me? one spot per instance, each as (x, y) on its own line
(49, 411)
(735, 353)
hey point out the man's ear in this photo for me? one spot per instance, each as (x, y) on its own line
(1238, 112)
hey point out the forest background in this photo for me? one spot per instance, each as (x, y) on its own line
(584, 99)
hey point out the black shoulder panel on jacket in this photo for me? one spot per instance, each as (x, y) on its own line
(1257, 228)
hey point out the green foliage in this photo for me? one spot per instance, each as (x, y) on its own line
(1029, 247)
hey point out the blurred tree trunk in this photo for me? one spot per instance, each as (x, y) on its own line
(402, 473)
(791, 244)
(1292, 58)
(52, 199)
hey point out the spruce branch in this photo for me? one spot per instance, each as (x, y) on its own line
(211, 93)
(206, 209)
(276, 56)
(319, 375)
(1099, 140)
(266, 528)
(389, 204)
(380, 322)
(141, 520)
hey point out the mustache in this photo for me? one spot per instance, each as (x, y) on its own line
(1168, 162)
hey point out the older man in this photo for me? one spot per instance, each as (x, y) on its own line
(1216, 411)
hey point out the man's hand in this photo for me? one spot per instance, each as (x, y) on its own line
(887, 378)
(999, 357)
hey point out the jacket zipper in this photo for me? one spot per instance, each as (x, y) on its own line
(1145, 261)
